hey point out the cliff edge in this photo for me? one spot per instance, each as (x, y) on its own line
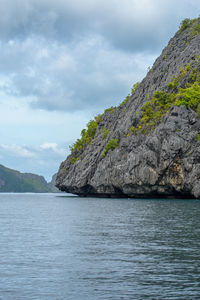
(148, 146)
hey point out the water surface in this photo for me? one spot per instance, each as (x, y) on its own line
(55, 247)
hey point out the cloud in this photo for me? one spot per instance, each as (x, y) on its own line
(73, 56)
(18, 151)
(53, 147)
(45, 149)
(129, 24)
(43, 159)
(88, 75)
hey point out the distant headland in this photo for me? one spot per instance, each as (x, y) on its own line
(16, 182)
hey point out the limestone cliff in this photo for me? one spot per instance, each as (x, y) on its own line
(149, 146)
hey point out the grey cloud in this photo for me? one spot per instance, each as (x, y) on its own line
(56, 77)
(76, 55)
(129, 25)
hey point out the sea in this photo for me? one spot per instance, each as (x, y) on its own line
(58, 246)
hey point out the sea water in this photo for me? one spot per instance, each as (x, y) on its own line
(54, 246)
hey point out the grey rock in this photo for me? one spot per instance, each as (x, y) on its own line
(166, 163)
(52, 185)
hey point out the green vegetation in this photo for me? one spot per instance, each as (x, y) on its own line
(14, 181)
(198, 110)
(125, 100)
(111, 145)
(98, 119)
(105, 133)
(153, 111)
(190, 97)
(196, 29)
(73, 160)
(87, 135)
(176, 79)
(134, 88)
(198, 137)
(186, 23)
(195, 75)
(159, 104)
(110, 109)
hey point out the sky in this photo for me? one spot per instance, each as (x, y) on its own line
(64, 61)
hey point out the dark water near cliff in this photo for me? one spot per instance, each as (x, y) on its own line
(89, 249)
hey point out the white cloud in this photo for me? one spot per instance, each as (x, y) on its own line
(18, 151)
(53, 147)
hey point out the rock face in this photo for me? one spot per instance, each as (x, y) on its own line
(162, 162)
(52, 185)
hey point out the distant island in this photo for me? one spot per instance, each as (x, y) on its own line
(149, 145)
(17, 182)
